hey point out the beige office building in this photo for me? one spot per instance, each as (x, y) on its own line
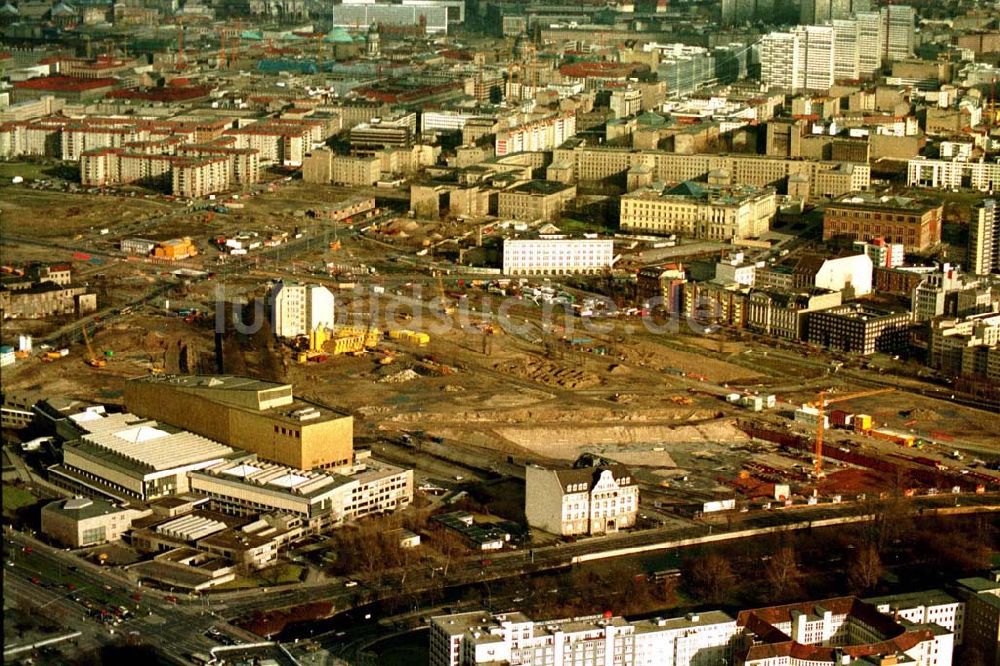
(324, 166)
(803, 177)
(200, 177)
(696, 210)
(535, 200)
(594, 500)
(82, 522)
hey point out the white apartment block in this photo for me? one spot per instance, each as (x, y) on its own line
(299, 309)
(544, 134)
(194, 174)
(626, 103)
(595, 500)
(76, 140)
(966, 345)
(984, 238)
(557, 256)
(953, 174)
(870, 40)
(467, 639)
(780, 56)
(882, 254)
(801, 59)
(244, 163)
(846, 49)
(926, 607)
(904, 630)
(200, 176)
(279, 141)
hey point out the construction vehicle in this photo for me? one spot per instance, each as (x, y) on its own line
(92, 360)
(821, 403)
(412, 337)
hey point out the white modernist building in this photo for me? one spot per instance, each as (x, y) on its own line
(984, 238)
(870, 39)
(926, 607)
(812, 57)
(249, 486)
(952, 174)
(801, 59)
(590, 500)
(542, 134)
(123, 455)
(830, 632)
(299, 309)
(599, 640)
(557, 256)
(433, 16)
(853, 272)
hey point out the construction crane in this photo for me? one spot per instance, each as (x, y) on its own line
(821, 403)
(92, 359)
(445, 307)
(181, 61)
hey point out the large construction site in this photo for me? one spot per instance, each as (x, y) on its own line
(474, 369)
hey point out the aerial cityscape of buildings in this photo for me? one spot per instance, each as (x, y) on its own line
(460, 332)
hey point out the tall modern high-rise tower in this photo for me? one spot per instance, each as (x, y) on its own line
(984, 238)
(801, 59)
(819, 11)
(898, 30)
(870, 41)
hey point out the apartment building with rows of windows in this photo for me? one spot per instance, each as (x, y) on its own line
(696, 210)
(916, 224)
(557, 256)
(576, 161)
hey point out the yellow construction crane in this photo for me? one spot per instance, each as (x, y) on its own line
(445, 307)
(821, 403)
(92, 359)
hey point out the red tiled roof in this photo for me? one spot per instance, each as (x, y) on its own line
(64, 83)
(775, 643)
(455, 54)
(172, 94)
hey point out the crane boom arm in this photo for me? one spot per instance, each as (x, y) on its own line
(90, 349)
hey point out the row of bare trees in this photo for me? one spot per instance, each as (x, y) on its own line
(850, 559)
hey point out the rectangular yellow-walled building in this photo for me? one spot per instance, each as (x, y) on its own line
(258, 416)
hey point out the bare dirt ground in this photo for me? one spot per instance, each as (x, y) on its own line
(46, 214)
(532, 397)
